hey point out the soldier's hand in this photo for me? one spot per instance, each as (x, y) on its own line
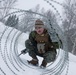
(23, 51)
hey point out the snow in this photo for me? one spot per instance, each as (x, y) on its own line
(12, 42)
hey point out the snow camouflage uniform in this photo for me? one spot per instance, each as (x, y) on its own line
(49, 53)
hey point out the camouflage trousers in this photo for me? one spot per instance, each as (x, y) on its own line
(49, 56)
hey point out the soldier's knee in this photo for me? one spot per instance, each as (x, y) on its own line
(50, 57)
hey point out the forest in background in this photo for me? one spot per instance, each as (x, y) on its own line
(26, 21)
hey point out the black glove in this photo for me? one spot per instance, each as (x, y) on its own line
(24, 51)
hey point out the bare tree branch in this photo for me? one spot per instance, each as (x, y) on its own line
(4, 4)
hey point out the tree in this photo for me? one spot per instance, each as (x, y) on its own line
(70, 23)
(12, 21)
(27, 21)
(55, 29)
(5, 6)
(36, 9)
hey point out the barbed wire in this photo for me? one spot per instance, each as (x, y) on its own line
(56, 70)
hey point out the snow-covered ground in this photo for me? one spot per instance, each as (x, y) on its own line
(12, 42)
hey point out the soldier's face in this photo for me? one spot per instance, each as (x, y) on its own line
(39, 30)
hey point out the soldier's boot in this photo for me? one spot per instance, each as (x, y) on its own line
(33, 62)
(44, 63)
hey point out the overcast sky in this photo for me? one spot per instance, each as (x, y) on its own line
(28, 4)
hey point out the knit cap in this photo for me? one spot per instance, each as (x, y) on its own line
(39, 23)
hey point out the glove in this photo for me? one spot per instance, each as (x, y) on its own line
(24, 51)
